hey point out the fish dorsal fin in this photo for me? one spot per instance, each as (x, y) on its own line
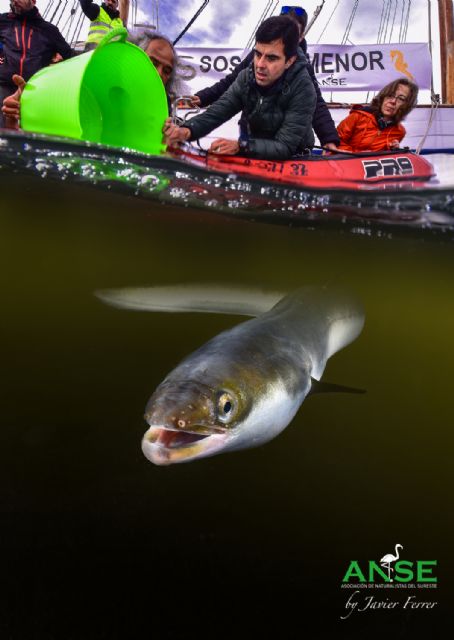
(231, 300)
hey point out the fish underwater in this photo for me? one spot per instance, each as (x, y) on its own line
(245, 385)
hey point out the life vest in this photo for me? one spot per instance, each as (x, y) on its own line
(101, 26)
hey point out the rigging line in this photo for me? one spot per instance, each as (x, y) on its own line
(53, 15)
(389, 26)
(383, 26)
(355, 8)
(69, 20)
(382, 22)
(260, 20)
(435, 103)
(47, 9)
(155, 15)
(401, 30)
(314, 17)
(63, 9)
(350, 22)
(191, 21)
(407, 21)
(394, 20)
(401, 21)
(80, 20)
(329, 20)
(251, 37)
(387, 16)
(77, 29)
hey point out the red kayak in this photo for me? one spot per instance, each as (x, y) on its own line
(334, 171)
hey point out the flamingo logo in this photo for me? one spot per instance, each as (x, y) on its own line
(389, 558)
(400, 65)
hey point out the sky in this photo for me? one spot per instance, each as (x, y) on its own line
(232, 22)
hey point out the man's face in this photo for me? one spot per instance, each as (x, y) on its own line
(270, 62)
(112, 4)
(161, 54)
(21, 6)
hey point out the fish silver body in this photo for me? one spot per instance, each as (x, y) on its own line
(244, 386)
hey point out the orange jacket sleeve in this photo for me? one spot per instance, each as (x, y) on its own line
(346, 130)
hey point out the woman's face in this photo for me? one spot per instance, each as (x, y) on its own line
(391, 104)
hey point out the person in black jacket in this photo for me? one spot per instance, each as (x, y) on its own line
(29, 44)
(322, 123)
(275, 94)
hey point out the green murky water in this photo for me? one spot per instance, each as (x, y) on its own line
(96, 542)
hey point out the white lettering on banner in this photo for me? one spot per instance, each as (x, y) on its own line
(337, 67)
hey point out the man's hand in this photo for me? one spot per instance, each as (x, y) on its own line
(329, 146)
(394, 144)
(225, 147)
(174, 134)
(11, 104)
(189, 102)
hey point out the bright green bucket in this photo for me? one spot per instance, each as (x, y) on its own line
(112, 95)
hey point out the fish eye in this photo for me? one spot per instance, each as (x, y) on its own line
(226, 407)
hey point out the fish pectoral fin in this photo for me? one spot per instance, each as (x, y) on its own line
(329, 387)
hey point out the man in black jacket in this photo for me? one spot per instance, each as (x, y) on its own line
(29, 44)
(275, 93)
(322, 123)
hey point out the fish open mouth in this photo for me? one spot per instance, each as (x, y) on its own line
(164, 446)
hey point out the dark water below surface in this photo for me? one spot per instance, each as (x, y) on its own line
(96, 542)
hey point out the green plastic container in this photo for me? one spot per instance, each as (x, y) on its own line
(112, 95)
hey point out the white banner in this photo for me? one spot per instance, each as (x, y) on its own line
(337, 67)
(370, 67)
(201, 67)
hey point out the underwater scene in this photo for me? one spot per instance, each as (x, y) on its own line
(337, 525)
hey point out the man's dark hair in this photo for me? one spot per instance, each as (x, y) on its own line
(279, 28)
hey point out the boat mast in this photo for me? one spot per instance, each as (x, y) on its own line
(123, 7)
(446, 23)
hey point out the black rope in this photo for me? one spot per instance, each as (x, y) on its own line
(55, 12)
(191, 22)
(78, 28)
(47, 8)
(69, 20)
(63, 9)
(260, 20)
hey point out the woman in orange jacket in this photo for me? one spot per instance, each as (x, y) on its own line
(377, 126)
